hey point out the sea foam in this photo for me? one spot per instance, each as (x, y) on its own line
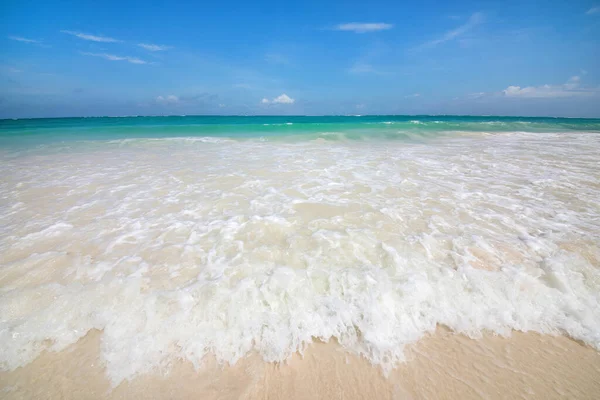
(179, 248)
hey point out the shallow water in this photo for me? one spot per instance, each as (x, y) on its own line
(179, 247)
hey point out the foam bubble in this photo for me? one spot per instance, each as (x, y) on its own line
(178, 248)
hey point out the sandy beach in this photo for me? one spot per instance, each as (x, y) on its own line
(329, 200)
(128, 274)
(441, 366)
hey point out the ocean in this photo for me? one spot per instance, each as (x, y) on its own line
(368, 127)
(180, 237)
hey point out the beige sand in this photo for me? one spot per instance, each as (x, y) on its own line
(443, 366)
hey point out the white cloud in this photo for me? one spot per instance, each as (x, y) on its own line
(475, 19)
(593, 10)
(281, 99)
(112, 57)
(571, 88)
(153, 47)
(170, 99)
(413, 95)
(24, 40)
(93, 38)
(357, 27)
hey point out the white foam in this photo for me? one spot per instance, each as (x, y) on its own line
(178, 248)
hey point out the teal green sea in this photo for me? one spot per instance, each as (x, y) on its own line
(36, 131)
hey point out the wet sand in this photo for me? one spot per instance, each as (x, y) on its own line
(440, 366)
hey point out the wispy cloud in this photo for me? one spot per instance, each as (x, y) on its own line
(412, 95)
(281, 99)
(199, 97)
(9, 69)
(571, 88)
(93, 38)
(113, 57)
(593, 10)
(154, 47)
(476, 95)
(358, 27)
(474, 20)
(24, 40)
(275, 58)
(370, 61)
(170, 99)
(242, 86)
(182, 101)
(363, 68)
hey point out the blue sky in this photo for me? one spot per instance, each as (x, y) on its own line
(61, 58)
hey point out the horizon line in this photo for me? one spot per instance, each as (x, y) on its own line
(301, 115)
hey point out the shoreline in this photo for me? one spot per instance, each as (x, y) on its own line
(176, 248)
(443, 365)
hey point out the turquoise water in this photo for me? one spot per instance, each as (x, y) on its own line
(35, 131)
